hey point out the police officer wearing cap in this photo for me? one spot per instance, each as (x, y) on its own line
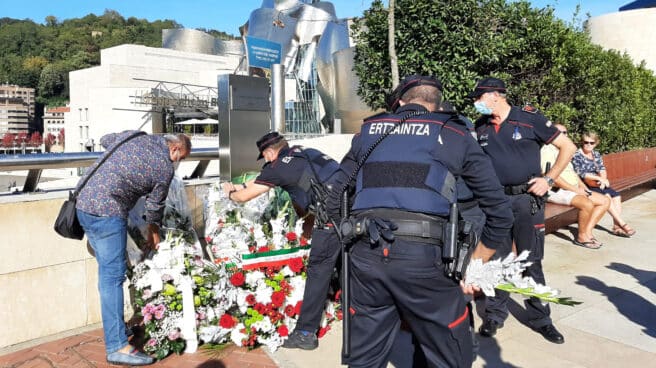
(295, 169)
(404, 190)
(512, 137)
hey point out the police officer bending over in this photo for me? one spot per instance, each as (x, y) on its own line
(405, 189)
(300, 171)
(512, 138)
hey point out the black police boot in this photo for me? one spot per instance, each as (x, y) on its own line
(301, 340)
(550, 333)
(489, 328)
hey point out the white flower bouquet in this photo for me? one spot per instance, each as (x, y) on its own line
(506, 274)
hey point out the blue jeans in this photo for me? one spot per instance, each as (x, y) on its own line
(108, 237)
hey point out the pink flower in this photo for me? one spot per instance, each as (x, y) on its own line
(159, 311)
(198, 262)
(174, 335)
(151, 342)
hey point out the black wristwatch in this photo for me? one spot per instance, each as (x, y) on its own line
(549, 180)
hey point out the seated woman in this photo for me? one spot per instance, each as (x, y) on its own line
(588, 164)
(569, 190)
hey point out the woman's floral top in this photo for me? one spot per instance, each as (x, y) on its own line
(583, 165)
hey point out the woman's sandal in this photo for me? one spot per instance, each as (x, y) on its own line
(592, 244)
(628, 230)
(619, 231)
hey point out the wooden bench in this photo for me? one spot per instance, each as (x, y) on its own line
(631, 173)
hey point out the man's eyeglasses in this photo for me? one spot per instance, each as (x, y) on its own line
(588, 142)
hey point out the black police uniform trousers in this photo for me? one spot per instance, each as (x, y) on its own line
(409, 284)
(528, 234)
(323, 255)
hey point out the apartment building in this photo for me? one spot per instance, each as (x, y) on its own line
(14, 116)
(53, 120)
(16, 108)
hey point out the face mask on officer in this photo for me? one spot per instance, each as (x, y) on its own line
(482, 108)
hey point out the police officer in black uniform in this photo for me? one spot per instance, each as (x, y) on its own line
(403, 193)
(512, 138)
(295, 169)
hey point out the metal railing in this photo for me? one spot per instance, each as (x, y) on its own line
(36, 163)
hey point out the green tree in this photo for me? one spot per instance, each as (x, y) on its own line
(51, 82)
(544, 61)
(51, 21)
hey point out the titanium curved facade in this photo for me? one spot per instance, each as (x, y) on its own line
(316, 52)
(631, 31)
(191, 40)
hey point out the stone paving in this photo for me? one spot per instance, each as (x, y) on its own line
(87, 350)
(614, 327)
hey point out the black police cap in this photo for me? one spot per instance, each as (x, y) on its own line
(266, 141)
(487, 85)
(392, 100)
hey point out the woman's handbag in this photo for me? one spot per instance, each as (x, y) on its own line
(67, 224)
(592, 183)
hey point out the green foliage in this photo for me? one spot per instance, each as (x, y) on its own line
(544, 61)
(41, 55)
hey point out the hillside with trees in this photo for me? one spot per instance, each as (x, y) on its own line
(544, 60)
(41, 55)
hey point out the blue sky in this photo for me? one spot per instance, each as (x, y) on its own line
(227, 15)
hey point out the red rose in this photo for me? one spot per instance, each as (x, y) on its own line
(237, 279)
(322, 331)
(277, 298)
(283, 331)
(289, 311)
(303, 241)
(291, 236)
(250, 299)
(260, 308)
(263, 249)
(297, 308)
(296, 265)
(227, 321)
(339, 315)
(208, 239)
(338, 295)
